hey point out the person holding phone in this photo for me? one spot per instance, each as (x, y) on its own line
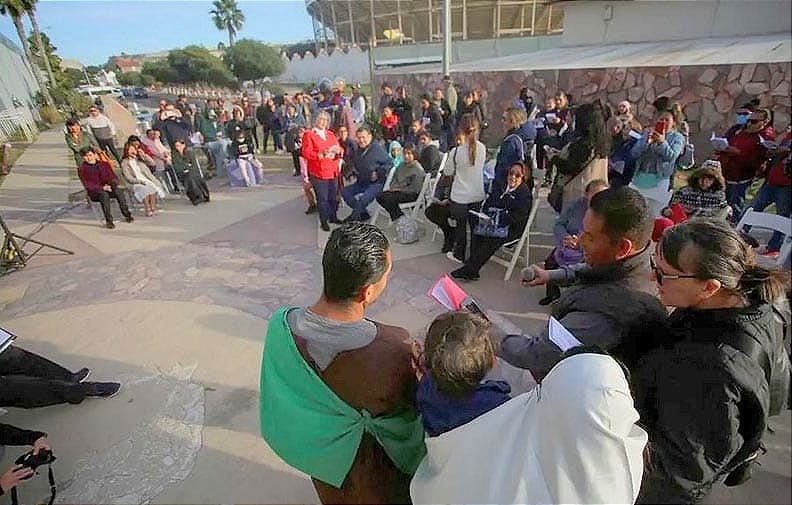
(656, 153)
(18, 474)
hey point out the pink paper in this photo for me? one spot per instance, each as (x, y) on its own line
(447, 293)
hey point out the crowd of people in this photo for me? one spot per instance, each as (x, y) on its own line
(685, 397)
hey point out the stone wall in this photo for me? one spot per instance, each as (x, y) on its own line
(709, 94)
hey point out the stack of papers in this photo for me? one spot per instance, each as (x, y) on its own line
(719, 143)
(560, 336)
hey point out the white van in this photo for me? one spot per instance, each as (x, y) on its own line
(94, 91)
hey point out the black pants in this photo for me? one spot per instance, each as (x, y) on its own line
(459, 211)
(104, 197)
(296, 161)
(108, 145)
(482, 249)
(439, 215)
(254, 132)
(326, 191)
(265, 133)
(390, 201)
(28, 381)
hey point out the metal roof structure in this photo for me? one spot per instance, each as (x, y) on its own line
(410, 21)
(772, 48)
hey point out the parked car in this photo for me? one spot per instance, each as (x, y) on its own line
(127, 92)
(140, 92)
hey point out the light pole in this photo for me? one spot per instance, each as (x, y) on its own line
(446, 37)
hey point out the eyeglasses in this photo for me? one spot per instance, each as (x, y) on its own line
(660, 275)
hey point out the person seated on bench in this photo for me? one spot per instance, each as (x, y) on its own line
(145, 187)
(187, 169)
(405, 186)
(101, 184)
(244, 168)
(512, 206)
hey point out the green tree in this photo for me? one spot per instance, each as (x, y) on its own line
(159, 70)
(72, 78)
(130, 79)
(15, 9)
(195, 64)
(251, 60)
(227, 16)
(31, 12)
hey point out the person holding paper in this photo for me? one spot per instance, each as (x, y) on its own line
(611, 298)
(321, 151)
(338, 389)
(513, 205)
(29, 381)
(745, 158)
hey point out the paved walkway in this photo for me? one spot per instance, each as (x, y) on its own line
(176, 307)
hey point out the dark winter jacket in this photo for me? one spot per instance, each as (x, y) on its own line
(704, 403)
(513, 149)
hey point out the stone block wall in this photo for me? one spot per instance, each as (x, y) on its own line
(709, 94)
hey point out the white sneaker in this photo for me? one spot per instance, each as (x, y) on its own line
(450, 255)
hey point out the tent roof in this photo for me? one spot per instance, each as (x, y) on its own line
(772, 48)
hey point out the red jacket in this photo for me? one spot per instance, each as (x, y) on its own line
(776, 175)
(93, 177)
(312, 145)
(750, 161)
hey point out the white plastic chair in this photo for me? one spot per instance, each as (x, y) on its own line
(521, 244)
(773, 222)
(386, 187)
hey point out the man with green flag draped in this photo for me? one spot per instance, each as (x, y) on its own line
(337, 389)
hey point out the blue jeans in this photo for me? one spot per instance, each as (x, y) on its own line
(326, 202)
(359, 195)
(781, 196)
(735, 197)
(218, 150)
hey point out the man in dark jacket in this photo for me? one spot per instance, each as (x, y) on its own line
(372, 164)
(430, 157)
(402, 106)
(613, 298)
(175, 127)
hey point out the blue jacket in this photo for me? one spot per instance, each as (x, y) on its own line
(658, 159)
(373, 158)
(511, 150)
(441, 413)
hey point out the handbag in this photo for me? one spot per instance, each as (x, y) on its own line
(492, 227)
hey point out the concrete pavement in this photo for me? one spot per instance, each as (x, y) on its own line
(176, 307)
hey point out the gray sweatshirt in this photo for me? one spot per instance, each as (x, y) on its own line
(409, 177)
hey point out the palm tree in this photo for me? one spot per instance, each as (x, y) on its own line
(227, 16)
(31, 12)
(16, 9)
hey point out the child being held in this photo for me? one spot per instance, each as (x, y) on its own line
(458, 353)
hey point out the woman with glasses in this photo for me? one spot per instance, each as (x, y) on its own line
(512, 205)
(720, 368)
(745, 158)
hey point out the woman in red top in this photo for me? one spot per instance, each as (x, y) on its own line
(390, 125)
(745, 158)
(321, 150)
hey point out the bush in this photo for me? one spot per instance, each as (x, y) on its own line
(50, 116)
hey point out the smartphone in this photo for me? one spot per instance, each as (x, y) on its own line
(660, 127)
(634, 134)
(471, 305)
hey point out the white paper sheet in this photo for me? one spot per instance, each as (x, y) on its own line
(560, 336)
(719, 143)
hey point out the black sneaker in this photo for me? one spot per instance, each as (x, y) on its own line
(102, 389)
(80, 375)
(129, 219)
(110, 225)
(325, 226)
(463, 275)
(311, 209)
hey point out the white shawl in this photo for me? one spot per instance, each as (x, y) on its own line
(573, 439)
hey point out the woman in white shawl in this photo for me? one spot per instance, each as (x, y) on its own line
(572, 439)
(145, 187)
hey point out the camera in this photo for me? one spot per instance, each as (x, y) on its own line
(33, 461)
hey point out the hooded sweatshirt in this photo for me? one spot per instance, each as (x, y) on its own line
(409, 177)
(512, 150)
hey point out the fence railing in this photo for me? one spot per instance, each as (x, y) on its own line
(17, 124)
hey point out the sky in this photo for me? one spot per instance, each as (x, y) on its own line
(91, 31)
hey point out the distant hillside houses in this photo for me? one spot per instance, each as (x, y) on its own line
(134, 62)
